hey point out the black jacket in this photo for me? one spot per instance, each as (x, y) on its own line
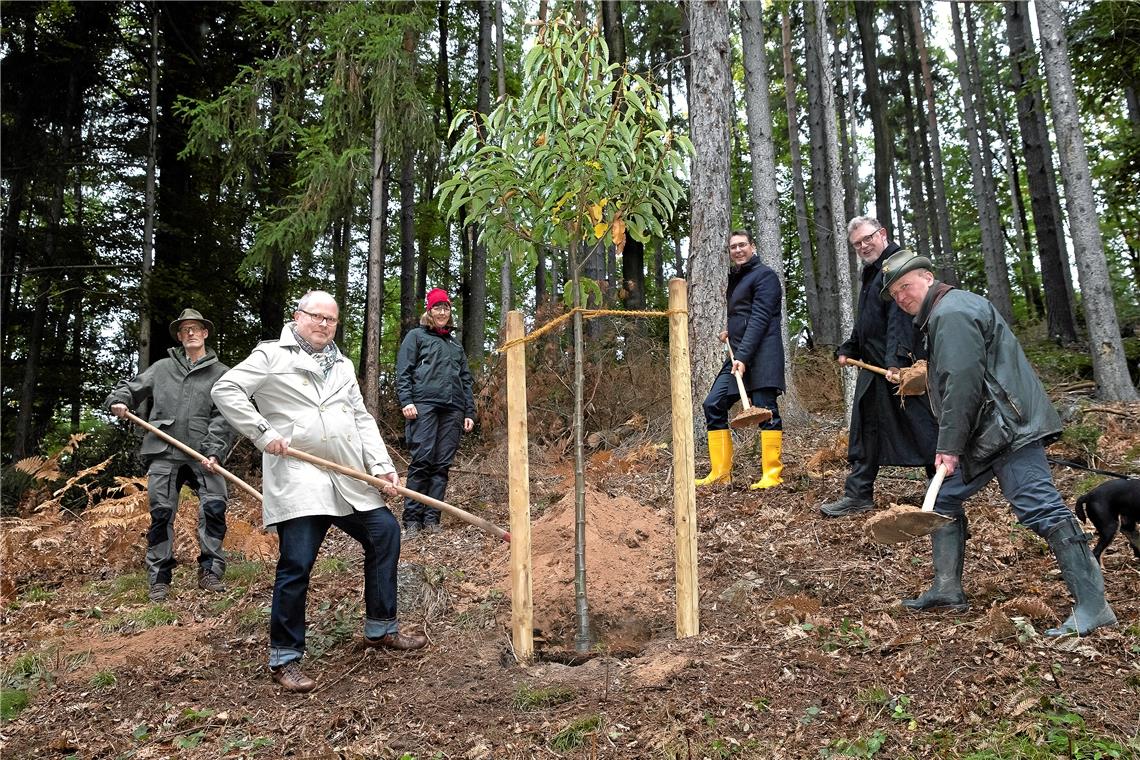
(885, 336)
(754, 324)
(431, 368)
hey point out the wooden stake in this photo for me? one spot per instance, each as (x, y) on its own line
(522, 608)
(684, 488)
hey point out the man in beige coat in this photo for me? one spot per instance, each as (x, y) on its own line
(308, 398)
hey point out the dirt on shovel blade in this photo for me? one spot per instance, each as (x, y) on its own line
(902, 522)
(751, 416)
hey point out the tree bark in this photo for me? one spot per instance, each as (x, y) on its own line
(948, 266)
(1109, 365)
(409, 317)
(803, 234)
(374, 299)
(148, 219)
(475, 306)
(1043, 200)
(869, 44)
(764, 194)
(710, 110)
(506, 286)
(993, 253)
(914, 154)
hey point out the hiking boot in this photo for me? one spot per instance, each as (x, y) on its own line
(209, 582)
(848, 505)
(397, 640)
(432, 528)
(292, 679)
(411, 530)
(158, 592)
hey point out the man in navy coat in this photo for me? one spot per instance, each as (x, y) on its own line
(754, 335)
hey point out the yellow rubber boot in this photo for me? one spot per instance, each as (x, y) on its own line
(771, 442)
(720, 457)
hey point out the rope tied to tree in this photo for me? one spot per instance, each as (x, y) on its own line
(586, 314)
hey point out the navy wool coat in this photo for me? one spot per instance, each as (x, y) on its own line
(754, 324)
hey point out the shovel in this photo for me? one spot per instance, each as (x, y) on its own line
(912, 380)
(749, 415)
(463, 515)
(903, 522)
(183, 447)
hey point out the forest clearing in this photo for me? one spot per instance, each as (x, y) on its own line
(803, 651)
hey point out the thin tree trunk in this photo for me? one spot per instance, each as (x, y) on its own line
(914, 155)
(474, 307)
(993, 253)
(869, 43)
(583, 640)
(374, 299)
(807, 260)
(764, 193)
(148, 218)
(829, 331)
(1044, 204)
(1110, 367)
(506, 286)
(710, 109)
(408, 316)
(948, 266)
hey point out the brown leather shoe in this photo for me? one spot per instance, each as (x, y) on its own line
(397, 640)
(292, 679)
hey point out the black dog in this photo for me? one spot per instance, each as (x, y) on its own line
(1110, 504)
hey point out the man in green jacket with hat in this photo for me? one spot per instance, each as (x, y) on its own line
(994, 420)
(179, 386)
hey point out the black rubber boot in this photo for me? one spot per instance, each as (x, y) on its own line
(948, 546)
(1083, 577)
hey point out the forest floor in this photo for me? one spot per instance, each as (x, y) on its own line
(803, 651)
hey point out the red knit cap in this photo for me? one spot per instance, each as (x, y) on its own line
(437, 295)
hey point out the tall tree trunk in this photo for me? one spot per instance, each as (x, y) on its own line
(828, 331)
(710, 113)
(506, 286)
(148, 219)
(764, 194)
(948, 266)
(341, 258)
(1109, 365)
(1044, 204)
(408, 311)
(914, 153)
(374, 297)
(848, 114)
(803, 234)
(869, 44)
(475, 306)
(993, 252)
(839, 246)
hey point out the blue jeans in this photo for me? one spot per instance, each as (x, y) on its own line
(1025, 480)
(300, 540)
(724, 393)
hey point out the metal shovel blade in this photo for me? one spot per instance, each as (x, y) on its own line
(903, 522)
(751, 416)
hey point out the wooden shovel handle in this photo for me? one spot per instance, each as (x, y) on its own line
(932, 490)
(744, 402)
(864, 365)
(463, 515)
(186, 449)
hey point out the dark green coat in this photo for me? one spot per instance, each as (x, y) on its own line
(182, 406)
(986, 396)
(431, 368)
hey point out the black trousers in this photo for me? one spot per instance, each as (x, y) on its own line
(433, 439)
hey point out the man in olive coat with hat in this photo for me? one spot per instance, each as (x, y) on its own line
(179, 387)
(994, 419)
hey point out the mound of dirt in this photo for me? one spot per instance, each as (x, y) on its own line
(629, 568)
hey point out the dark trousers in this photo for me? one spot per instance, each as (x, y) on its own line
(300, 540)
(433, 439)
(724, 393)
(860, 482)
(1025, 481)
(165, 479)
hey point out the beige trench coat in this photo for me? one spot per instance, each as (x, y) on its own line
(321, 416)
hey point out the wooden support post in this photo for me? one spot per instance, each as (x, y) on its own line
(684, 488)
(522, 608)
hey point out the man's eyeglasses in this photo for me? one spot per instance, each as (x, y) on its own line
(191, 330)
(320, 319)
(865, 240)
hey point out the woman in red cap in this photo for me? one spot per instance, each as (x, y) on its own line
(434, 385)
